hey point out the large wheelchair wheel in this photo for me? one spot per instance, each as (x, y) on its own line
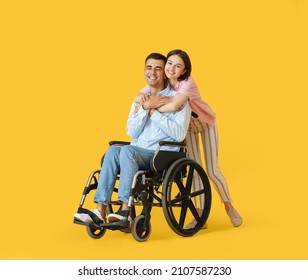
(183, 200)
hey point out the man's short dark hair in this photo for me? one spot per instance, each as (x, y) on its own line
(156, 56)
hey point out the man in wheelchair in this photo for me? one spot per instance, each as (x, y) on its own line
(147, 127)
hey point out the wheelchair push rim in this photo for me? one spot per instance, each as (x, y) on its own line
(181, 198)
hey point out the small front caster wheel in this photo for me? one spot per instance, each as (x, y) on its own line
(139, 231)
(95, 231)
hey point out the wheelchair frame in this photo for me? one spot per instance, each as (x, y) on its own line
(170, 169)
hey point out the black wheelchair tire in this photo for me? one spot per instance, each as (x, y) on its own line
(172, 184)
(95, 232)
(139, 233)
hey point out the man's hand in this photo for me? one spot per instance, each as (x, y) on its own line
(152, 111)
(137, 107)
(154, 102)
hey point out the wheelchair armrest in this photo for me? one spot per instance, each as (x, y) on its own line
(121, 143)
(111, 143)
(170, 143)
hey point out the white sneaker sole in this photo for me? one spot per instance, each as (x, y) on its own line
(83, 217)
(115, 218)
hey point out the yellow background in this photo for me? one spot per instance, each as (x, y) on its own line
(69, 71)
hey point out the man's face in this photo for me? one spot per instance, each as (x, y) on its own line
(154, 72)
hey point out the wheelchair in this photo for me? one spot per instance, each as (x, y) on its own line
(168, 184)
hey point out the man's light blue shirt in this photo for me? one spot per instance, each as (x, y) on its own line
(147, 131)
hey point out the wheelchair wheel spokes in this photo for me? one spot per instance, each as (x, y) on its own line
(183, 214)
(181, 201)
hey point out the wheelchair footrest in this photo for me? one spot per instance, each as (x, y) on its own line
(111, 226)
(79, 222)
(116, 225)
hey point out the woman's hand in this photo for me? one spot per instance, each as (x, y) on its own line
(154, 102)
(141, 97)
(144, 98)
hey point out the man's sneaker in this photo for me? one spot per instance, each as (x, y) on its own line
(86, 217)
(235, 217)
(118, 216)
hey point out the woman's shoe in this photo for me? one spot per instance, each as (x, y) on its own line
(235, 217)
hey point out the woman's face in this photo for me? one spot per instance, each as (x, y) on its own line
(174, 67)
